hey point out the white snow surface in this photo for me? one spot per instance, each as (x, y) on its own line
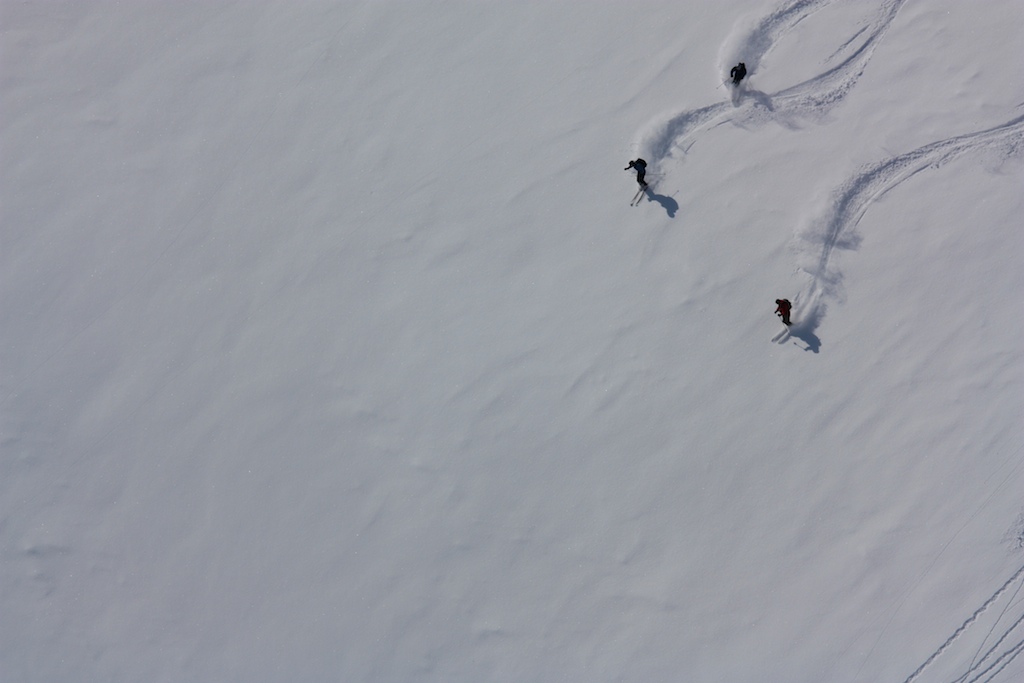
(332, 350)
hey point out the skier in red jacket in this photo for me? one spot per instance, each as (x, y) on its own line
(782, 309)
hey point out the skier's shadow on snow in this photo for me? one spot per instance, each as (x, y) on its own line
(805, 333)
(804, 330)
(670, 205)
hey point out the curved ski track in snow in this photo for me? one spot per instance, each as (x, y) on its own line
(987, 665)
(852, 199)
(813, 98)
(766, 34)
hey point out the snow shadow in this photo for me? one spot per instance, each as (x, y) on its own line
(670, 205)
(804, 329)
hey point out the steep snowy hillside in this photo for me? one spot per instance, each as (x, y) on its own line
(331, 347)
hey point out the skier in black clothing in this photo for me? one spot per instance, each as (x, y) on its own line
(641, 169)
(738, 73)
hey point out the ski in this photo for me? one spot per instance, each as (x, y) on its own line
(638, 196)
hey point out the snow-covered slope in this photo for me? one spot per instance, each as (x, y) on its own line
(331, 349)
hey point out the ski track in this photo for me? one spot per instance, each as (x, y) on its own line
(988, 665)
(766, 34)
(813, 98)
(823, 92)
(837, 229)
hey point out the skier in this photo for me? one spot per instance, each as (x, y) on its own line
(738, 73)
(641, 169)
(782, 309)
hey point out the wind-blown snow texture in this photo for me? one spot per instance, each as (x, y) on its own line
(332, 350)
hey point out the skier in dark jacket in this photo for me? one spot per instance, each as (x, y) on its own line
(641, 169)
(782, 309)
(738, 73)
